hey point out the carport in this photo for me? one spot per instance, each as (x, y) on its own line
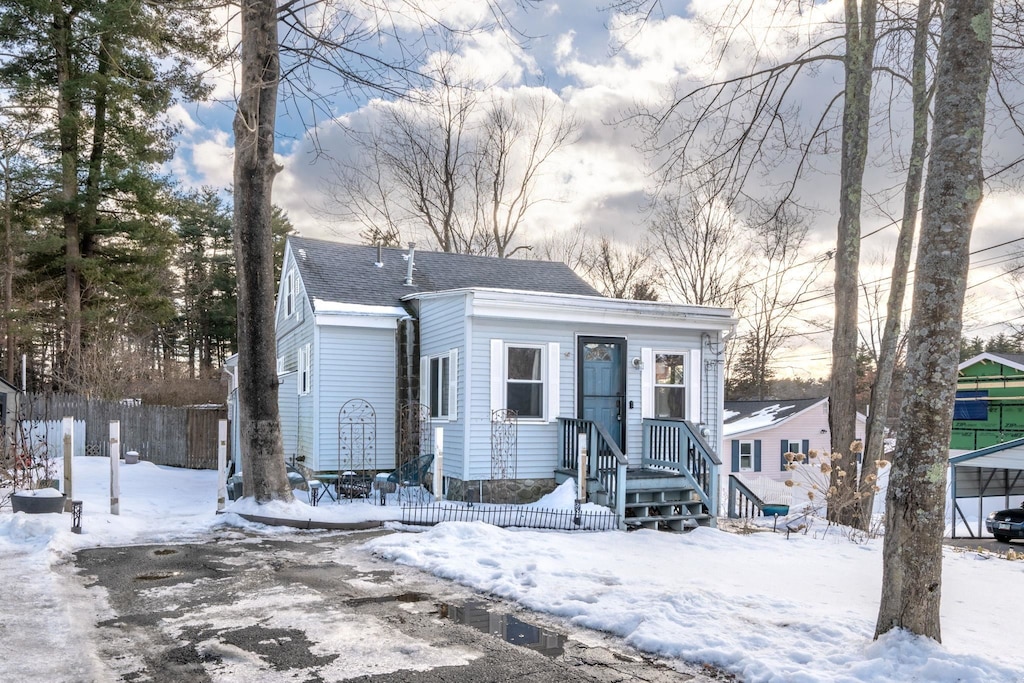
(996, 471)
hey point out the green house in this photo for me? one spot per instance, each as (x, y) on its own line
(989, 406)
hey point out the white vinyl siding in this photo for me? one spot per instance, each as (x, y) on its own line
(355, 363)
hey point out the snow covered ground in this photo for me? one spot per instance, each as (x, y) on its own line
(762, 606)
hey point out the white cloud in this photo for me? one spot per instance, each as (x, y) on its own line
(563, 46)
(212, 160)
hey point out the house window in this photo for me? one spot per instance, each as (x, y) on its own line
(305, 358)
(670, 385)
(289, 294)
(280, 365)
(797, 446)
(524, 380)
(746, 456)
(440, 381)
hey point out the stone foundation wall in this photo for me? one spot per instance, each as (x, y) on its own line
(502, 491)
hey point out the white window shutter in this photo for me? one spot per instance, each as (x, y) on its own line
(497, 375)
(453, 384)
(647, 383)
(554, 388)
(693, 390)
(425, 385)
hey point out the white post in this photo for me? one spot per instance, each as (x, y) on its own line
(222, 463)
(438, 462)
(68, 426)
(582, 474)
(115, 467)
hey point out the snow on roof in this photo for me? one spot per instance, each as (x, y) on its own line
(321, 306)
(765, 417)
(746, 416)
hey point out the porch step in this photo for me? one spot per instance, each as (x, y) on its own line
(669, 522)
(671, 510)
(655, 499)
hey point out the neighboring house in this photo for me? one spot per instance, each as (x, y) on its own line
(989, 407)
(759, 433)
(465, 336)
(8, 407)
(757, 436)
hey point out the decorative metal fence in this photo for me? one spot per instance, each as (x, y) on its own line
(512, 516)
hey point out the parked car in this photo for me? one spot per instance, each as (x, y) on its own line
(1006, 524)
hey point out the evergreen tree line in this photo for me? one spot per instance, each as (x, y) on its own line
(112, 273)
(1001, 343)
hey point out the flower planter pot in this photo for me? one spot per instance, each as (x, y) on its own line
(32, 504)
(131, 458)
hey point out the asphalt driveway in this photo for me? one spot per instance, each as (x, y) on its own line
(315, 607)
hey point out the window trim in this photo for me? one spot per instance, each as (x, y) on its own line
(289, 294)
(305, 366)
(749, 442)
(685, 355)
(692, 378)
(542, 349)
(450, 407)
(551, 367)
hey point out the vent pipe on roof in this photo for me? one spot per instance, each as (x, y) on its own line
(409, 258)
(380, 256)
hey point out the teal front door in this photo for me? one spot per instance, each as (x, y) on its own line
(601, 390)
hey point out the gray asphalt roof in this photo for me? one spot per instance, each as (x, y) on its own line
(1017, 358)
(790, 407)
(347, 273)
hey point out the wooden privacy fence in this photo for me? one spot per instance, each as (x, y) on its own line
(163, 435)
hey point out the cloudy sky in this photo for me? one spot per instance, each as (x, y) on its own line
(602, 66)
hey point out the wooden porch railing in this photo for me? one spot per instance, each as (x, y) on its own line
(605, 462)
(751, 495)
(677, 445)
(742, 501)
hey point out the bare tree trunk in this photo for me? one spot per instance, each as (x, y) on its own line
(914, 523)
(68, 110)
(263, 467)
(10, 337)
(842, 407)
(888, 350)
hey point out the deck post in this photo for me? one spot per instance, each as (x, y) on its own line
(115, 463)
(581, 476)
(438, 483)
(68, 427)
(222, 464)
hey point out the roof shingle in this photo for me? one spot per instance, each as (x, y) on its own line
(349, 273)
